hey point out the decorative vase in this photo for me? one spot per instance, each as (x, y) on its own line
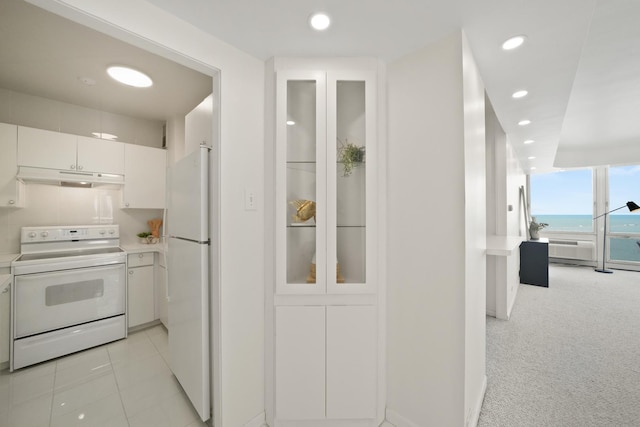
(535, 234)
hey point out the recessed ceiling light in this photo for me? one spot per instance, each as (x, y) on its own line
(529, 141)
(531, 157)
(290, 123)
(320, 21)
(513, 42)
(524, 122)
(519, 94)
(129, 76)
(102, 135)
(532, 168)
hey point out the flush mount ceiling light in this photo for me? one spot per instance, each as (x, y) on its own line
(529, 141)
(129, 76)
(513, 42)
(520, 94)
(524, 122)
(319, 21)
(531, 157)
(532, 168)
(290, 123)
(103, 135)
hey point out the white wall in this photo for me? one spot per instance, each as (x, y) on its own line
(43, 113)
(504, 178)
(51, 205)
(241, 243)
(433, 264)
(475, 236)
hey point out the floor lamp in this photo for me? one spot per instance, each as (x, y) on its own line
(632, 207)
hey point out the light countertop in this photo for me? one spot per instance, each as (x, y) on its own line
(5, 259)
(136, 248)
(5, 281)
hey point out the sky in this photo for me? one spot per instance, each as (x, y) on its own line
(571, 192)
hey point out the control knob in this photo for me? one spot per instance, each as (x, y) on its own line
(32, 234)
(102, 231)
(45, 234)
(112, 231)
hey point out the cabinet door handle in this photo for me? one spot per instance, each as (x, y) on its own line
(12, 202)
(73, 166)
(126, 204)
(130, 271)
(79, 167)
(140, 255)
(5, 290)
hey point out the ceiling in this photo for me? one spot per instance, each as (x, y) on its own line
(45, 55)
(580, 62)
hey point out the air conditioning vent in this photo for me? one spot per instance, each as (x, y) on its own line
(572, 249)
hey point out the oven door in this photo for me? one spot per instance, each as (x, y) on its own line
(53, 300)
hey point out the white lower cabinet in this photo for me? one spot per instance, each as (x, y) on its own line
(5, 322)
(351, 362)
(162, 302)
(325, 363)
(140, 289)
(300, 363)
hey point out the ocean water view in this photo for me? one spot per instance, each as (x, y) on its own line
(623, 248)
(585, 223)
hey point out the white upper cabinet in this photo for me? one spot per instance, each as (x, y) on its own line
(46, 149)
(98, 155)
(145, 177)
(326, 182)
(55, 150)
(11, 191)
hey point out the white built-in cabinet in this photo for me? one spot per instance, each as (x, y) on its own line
(145, 176)
(56, 150)
(11, 190)
(325, 317)
(140, 289)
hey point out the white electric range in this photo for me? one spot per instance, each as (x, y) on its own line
(68, 292)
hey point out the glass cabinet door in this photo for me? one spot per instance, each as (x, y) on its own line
(301, 182)
(351, 151)
(325, 149)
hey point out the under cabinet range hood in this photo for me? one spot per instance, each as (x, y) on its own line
(67, 178)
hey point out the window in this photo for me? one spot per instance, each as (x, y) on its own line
(564, 200)
(624, 225)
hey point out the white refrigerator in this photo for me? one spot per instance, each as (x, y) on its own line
(189, 282)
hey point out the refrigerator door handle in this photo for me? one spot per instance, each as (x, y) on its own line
(199, 242)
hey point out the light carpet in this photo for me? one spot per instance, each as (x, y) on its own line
(569, 355)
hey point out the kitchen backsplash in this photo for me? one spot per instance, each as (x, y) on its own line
(53, 205)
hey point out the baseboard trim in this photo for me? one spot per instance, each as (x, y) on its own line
(472, 421)
(398, 420)
(258, 421)
(491, 313)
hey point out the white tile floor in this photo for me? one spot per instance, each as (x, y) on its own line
(126, 383)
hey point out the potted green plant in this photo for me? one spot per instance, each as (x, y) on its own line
(144, 236)
(350, 155)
